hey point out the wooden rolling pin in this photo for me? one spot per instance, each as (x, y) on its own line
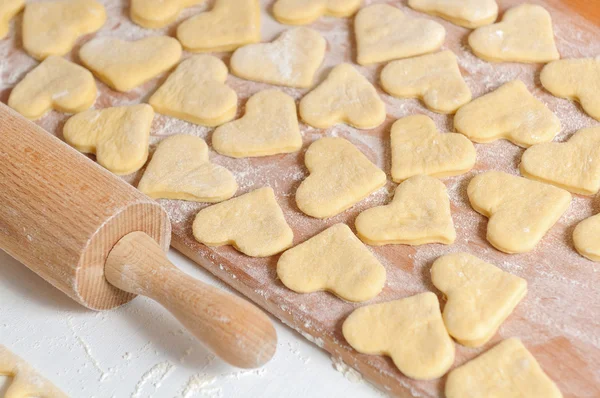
(101, 241)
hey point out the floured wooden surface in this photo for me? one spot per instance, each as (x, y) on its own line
(558, 320)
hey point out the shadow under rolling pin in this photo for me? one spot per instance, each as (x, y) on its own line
(101, 242)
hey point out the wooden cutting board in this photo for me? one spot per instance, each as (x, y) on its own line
(559, 319)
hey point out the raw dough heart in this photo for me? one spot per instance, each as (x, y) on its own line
(301, 12)
(506, 371)
(269, 127)
(157, 13)
(410, 331)
(419, 214)
(52, 27)
(26, 382)
(573, 165)
(587, 238)
(345, 96)
(180, 169)
(290, 60)
(418, 148)
(54, 84)
(384, 33)
(434, 78)
(125, 65)
(520, 211)
(467, 13)
(524, 35)
(340, 176)
(117, 136)
(510, 112)
(577, 79)
(334, 260)
(196, 92)
(479, 295)
(8, 9)
(253, 223)
(229, 25)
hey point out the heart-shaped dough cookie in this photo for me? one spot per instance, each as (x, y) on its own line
(52, 27)
(229, 25)
(157, 13)
(586, 237)
(125, 65)
(410, 331)
(196, 92)
(54, 84)
(576, 79)
(507, 370)
(524, 35)
(520, 211)
(269, 127)
(345, 96)
(419, 214)
(301, 12)
(253, 223)
(290, 60)
(8, 9)
(434, 78)
(334, 260)
(340, 176)
(467, 13)
(117, 136)
(510, 112)
(479, 295)
(180, 169)
(383, 33)
(573, 165)
(418, 148)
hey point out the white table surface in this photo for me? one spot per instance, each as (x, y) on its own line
(139, 350)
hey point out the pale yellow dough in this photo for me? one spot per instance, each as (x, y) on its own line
(467, 13)
(409, 330)
(157, 13)
(269, 127)
(8, 9)
(383, 33)
(576, 79)
(196, 92)
(253, 223)
(520, 211)
(290, 60)
(229, 25)
(54, 84)
(573, 165)
(26, 381)
(524, 35)
(52, 27)
(301, 12)
(340, 176)
(345, 96)
(117, 136)
(418, 148)
(419, 214)
(510, 112)
(125, 65)
(334, 260)
(587, 238)
(506, 371)
(433, 78)
(180, 169)
(479, 296)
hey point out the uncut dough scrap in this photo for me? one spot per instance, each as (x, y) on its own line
(253, 223)
(586, 237)
(157, 13)
(467, 13)
(8, 9)
(334, 260)
(409, 330)
(301, 12)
